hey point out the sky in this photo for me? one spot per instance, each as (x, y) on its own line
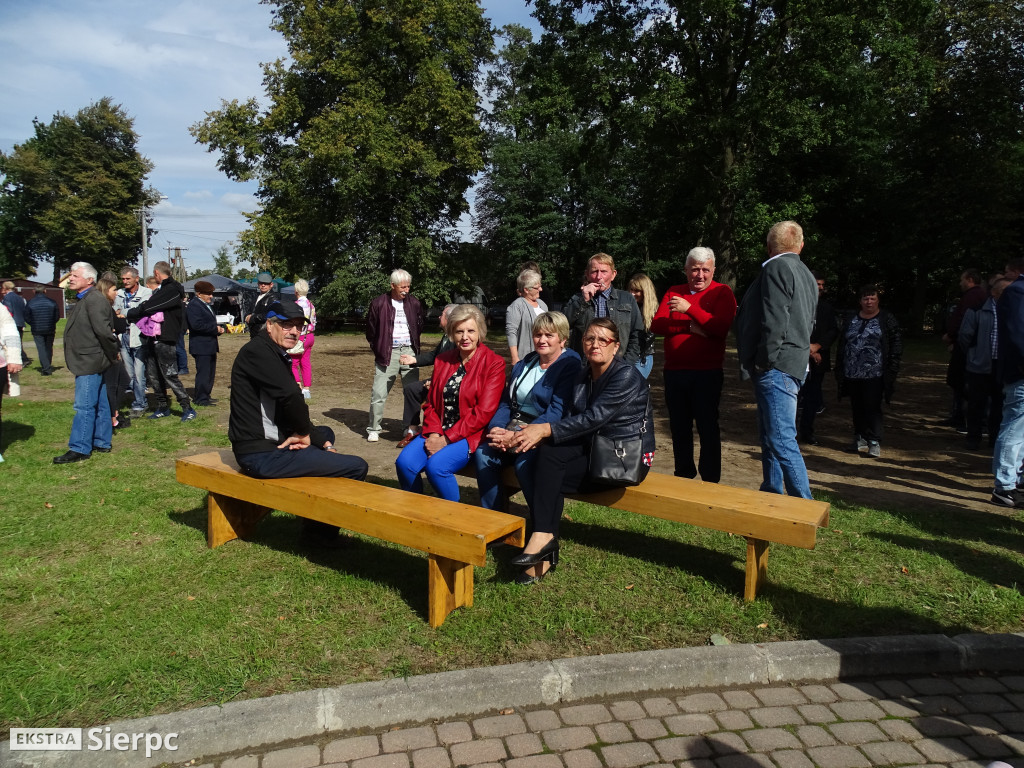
(166, 64)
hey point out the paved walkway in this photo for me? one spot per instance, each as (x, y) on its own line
(855, 703)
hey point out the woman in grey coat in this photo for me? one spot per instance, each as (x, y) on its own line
(521, 313)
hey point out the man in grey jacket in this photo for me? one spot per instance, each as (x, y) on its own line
(773, 339)
(133, 350)
(597, 298)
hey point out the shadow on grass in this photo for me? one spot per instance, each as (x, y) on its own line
(16, 432)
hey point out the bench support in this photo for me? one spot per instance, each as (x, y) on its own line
(757, 567)
(230, 518)
(449, 586)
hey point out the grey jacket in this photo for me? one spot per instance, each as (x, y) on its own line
(975, 337)
(775, 318)
(90, 345)
(622, 309)
(122, 303)
(519, 319)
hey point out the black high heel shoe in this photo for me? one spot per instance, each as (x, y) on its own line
(525, 579)
(548, 552)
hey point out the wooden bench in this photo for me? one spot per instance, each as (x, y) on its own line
(761, 518)
(454, 535)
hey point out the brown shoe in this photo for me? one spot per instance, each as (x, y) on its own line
(407, 438)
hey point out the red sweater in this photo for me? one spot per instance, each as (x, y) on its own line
(714, 309)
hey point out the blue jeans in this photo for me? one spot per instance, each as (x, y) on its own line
(781, 463)
(134, 359)
(489, 463)
(91, 425)
(644, 365)
(1009, 447)
(440, 468)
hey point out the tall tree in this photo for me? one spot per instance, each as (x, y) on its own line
(368, 144)
(73, 192)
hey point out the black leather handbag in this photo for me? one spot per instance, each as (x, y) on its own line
(617, 463)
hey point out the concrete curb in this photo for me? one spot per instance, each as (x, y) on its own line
(259, 723)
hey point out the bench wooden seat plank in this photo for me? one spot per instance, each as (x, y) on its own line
(454, 535)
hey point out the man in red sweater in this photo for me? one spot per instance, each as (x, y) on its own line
(695, 319)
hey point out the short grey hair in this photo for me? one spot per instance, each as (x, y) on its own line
(461, 314)
(88, 270)
(699, 255)
(527, 278)
(400, 276)
(301, 287)
(130, 271)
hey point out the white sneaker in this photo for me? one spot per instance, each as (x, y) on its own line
(373, 437)
(305, 393)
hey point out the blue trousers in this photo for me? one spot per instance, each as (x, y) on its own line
(440, 468)
(91, 425)
(490, 462)
(782, 464)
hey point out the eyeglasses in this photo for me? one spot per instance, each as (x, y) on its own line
(264, 283)
(598, 341)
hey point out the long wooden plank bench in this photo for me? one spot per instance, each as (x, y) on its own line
(761, 518)
(454, 535)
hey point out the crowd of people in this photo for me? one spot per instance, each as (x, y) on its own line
(578, 381)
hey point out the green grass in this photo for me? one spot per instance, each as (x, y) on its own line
(113, 607)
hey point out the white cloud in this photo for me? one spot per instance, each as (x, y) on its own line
(202, 194)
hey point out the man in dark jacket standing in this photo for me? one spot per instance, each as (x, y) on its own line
(598, 298)
(258, 317)
(203, 331)
(162, 359)
(773, 339)
(90, 347)
(269, 426)
(42, 314)
(822, 338)
(972, 295)
(393, 327)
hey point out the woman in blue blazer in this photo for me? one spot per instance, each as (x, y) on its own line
(540, 385)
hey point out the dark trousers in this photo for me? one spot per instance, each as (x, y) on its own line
(812, 397)
(561, 469)
(162, 372)
(206, 372)
(694, 396)
(308, 462)
(179, 351)
(116, 380)
(866, 404)
(24, 353)
(44, 350)
(984, 406)
(414, 394)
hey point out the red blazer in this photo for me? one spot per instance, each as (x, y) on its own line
(479, 394)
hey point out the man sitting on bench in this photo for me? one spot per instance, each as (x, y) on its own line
(269, 426)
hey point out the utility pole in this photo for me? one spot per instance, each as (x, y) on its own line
(145, 241)
(177, 262)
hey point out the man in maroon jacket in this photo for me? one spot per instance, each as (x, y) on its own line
(695, 319)
(393, 327)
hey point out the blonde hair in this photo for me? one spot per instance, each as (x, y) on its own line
(301, 287)
(104, 284)
(784, 237)
(552, 322)
(461, 314)
(641, 282)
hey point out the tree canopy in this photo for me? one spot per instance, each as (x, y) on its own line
(72, 192)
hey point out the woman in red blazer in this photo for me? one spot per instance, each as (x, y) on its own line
(465, 390)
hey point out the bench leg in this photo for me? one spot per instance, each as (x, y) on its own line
(757, 567)
(449, 586)
(229, 519)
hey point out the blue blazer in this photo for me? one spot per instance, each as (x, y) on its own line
(202, 328)
(549, 396)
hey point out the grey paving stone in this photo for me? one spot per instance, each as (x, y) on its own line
(895, 688)
(780, 696)
(393, 760)
(856, 733)
(740, 699)
(819, 694)
(478, 751)
(405, 739)
(980, 684)
(816, 713)
(1013, 682)
(899, 707)
(859, 691)
(900, 730)
(772, 717)
(543, 720)
(1010, 721)
(293, 757)
(983, 724)
(630, 755)
(838, 757)
(1017, 699)
(585, 714)
(523, 744)
(988, 746)
(499, 726)
(453, 733)
(535, 761)
(724, 743)
(613, 733)
(648, 728)
(931, 686)
(354, 748)
(699, 763)
(573, 737)
(985, 702)
(431, 757)
(792, 758)
(702, 702)
(892, 753)
(857, 710)
(770, 739)
(937, 725)
(245, 761)
(581, 758)
(944, 750)
(687, 725)
(660, 706)
(627, 710)
(815, 736)
(682, 748)
(744, 761)
(940, 705)
(731, 720)
(1015, 741)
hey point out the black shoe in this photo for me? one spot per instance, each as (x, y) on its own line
(205, 403)
(548, 552)
(97, 449)
(123, 422)
(47, 373)
(524, 579)
(70, 457)
(809, 440)
(1012, 498)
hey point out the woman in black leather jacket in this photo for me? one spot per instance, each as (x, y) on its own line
(610, 398)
